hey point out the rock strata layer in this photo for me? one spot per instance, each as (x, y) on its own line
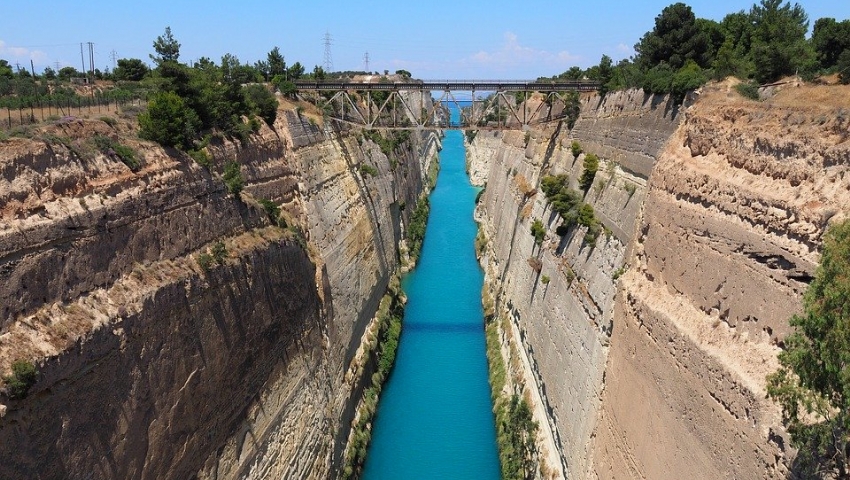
(649, 349)
(154, 364)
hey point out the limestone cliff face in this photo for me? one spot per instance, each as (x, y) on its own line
(737, 204)
(564, 324)
(154, 367)
(650, 363)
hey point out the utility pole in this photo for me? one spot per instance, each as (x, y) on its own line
(82, 58)
(114, 56)
(56, 64)
(366, 62)
(329, 64)
(91, 60)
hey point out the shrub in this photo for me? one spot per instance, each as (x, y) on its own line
(591, 166)
(576, 150)
(205, 261)
(168, 121)
(112, 149)
(538, 231)
(369, 170)
(272, 210)
(687, 78)
(233, 178)
(262, 102)
(416, 228)
(748, 90)
(24, 375)
(843, 67)
(545, 279)
(219, 252)
(812, 384)
(551, 185)
(201, 157)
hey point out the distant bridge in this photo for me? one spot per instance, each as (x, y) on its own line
(403, 104)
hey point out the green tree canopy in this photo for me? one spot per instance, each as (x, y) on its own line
(130, 69)
(5, 69)
(277, 65)
(168, 121)
(829, 39)
(675, 39)
(779, 44)
(813, 382)
(166, 47)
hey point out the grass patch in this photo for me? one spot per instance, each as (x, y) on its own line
(368, 170)
(113, 149)
(416, 228)
(389, 315)
(516, 430)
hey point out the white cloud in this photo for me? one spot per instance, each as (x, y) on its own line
(21, 53)
(512, 56)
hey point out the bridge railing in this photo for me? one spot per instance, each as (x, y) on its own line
(452, 85)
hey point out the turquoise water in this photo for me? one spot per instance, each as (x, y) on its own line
(435, 417)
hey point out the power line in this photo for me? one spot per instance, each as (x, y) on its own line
(329, 64)
(113, 55)
(366, 62)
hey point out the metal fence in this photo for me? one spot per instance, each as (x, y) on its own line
(42, 110)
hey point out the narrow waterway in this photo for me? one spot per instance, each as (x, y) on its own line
(435, 417)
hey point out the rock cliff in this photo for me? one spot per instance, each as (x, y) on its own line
(646, 352)
(154, 364)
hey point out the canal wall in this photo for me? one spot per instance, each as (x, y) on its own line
(647, 349)
(179, 332)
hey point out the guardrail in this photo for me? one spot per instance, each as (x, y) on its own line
(451, 85)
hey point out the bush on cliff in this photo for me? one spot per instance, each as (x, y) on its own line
(813, 382)
(591, 166)
(24, 375)
(168, 121)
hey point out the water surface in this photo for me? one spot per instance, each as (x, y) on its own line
(435, 417)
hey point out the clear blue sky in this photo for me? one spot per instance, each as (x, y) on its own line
(437, 39)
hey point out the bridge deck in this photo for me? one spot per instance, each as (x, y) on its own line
(452, 85)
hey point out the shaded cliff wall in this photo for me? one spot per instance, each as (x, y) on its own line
(564, 326)
(151, 366)
(651, 363)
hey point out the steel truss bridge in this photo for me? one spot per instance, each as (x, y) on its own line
(413, 104)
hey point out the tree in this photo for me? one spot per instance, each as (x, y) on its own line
(829, 39)
(714, 35)
(813, 382)
(277, 65)
(295, 71)
(319, 73)
(48, 73)
(166, 47)
(606, 72)
(6, 69)
(403, 73)
(591, 165)
(779, 44)
(262, 102)
(843, 67)
(130, 69)
(24, 375)
(687, 78)
(675, 39)
(574, 73)
(168, 121)
(66, 73)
